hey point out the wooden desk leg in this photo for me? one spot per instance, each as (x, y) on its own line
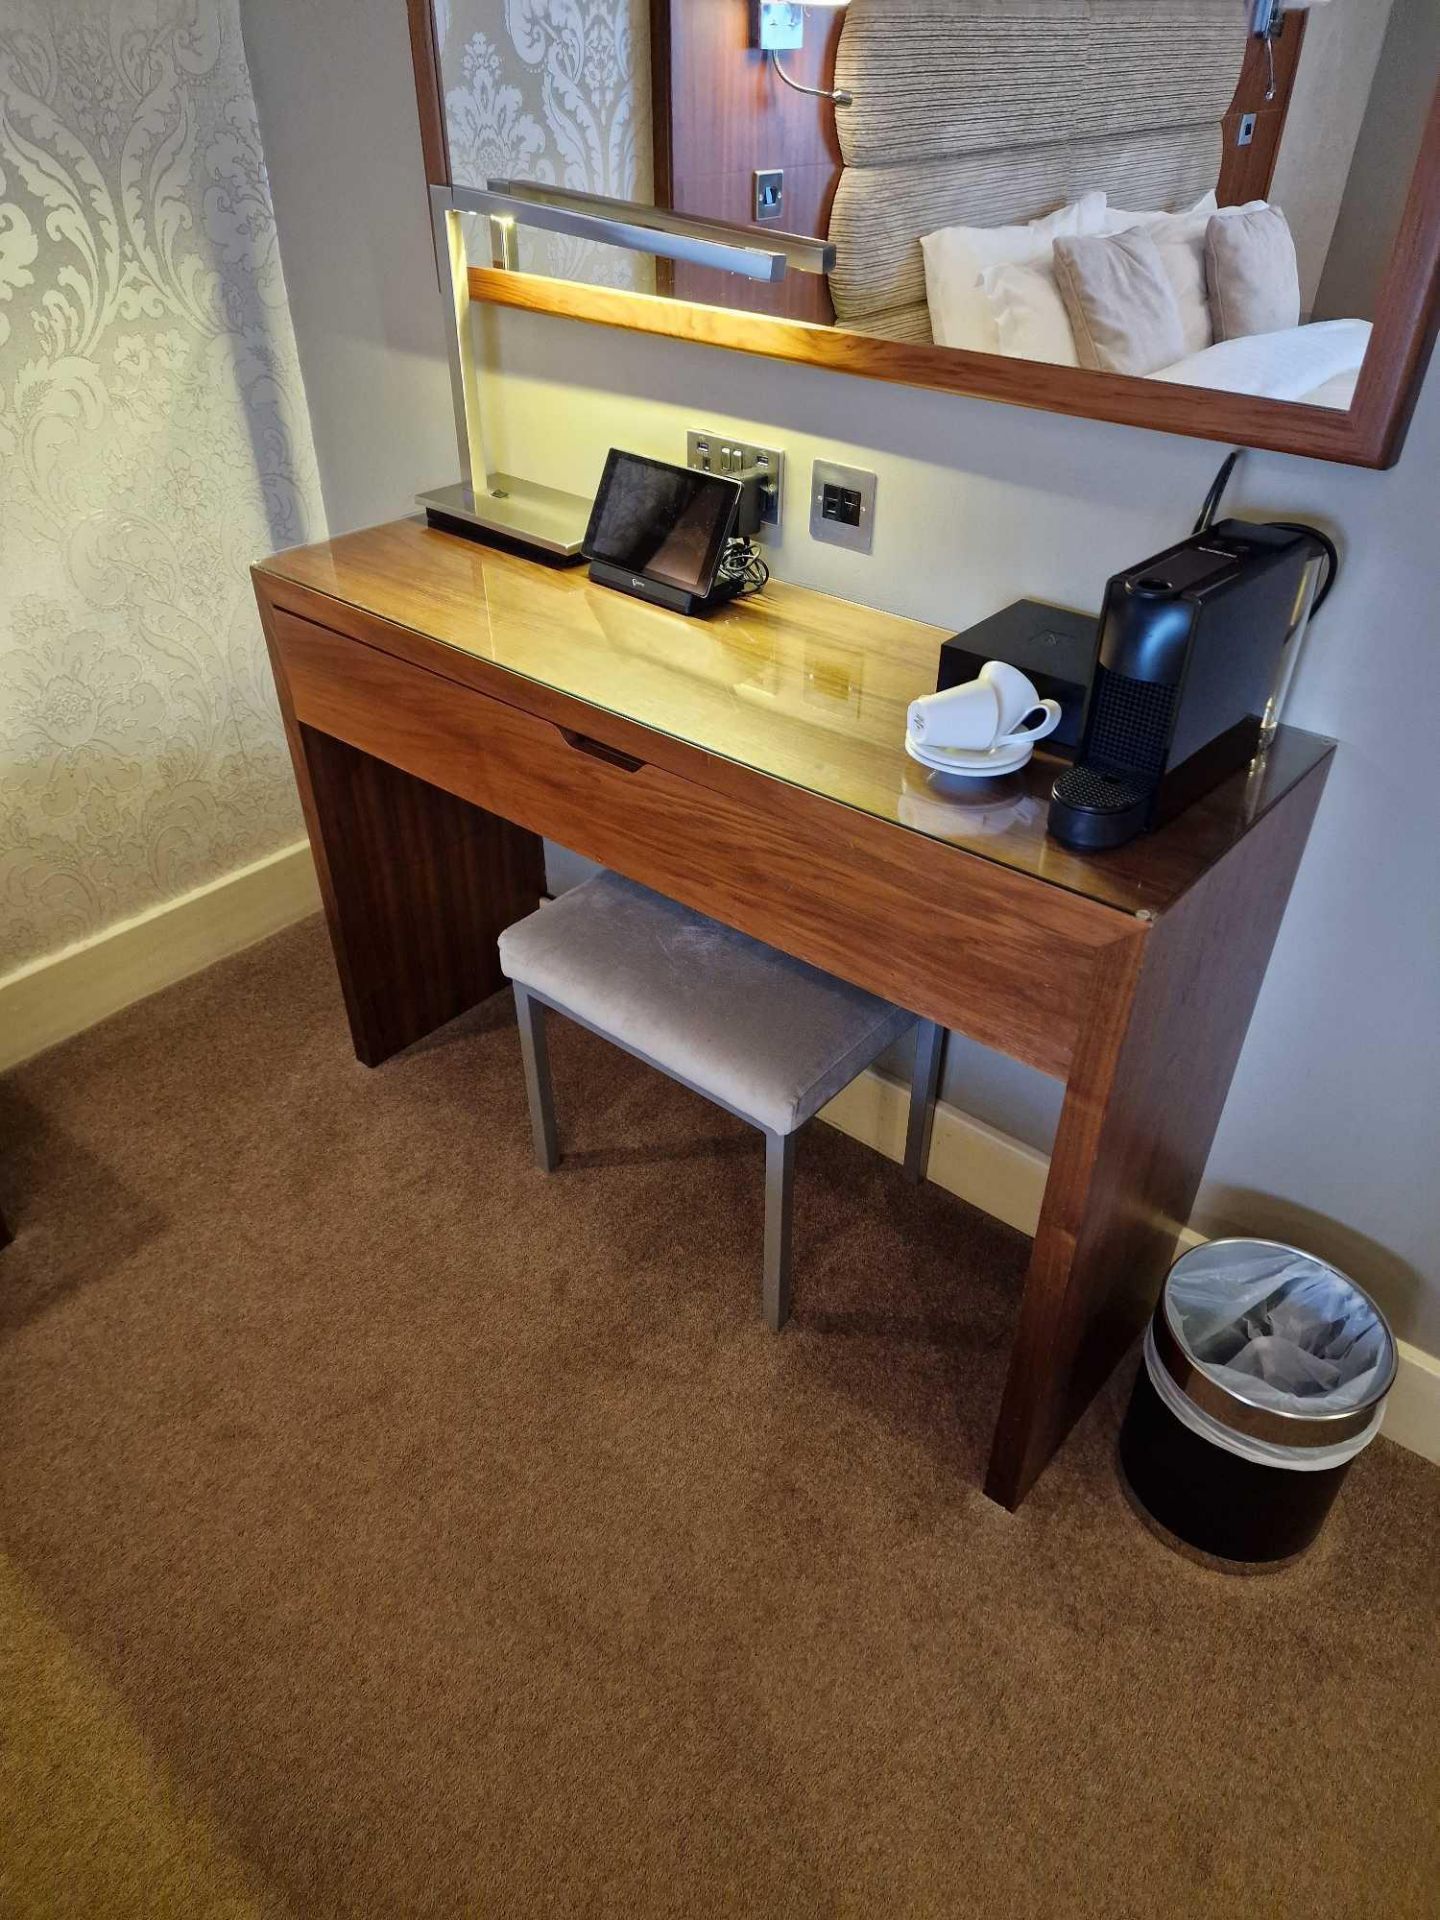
(418, 885)
(1170, 1009)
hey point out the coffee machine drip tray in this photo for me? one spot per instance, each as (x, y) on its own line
(1091, 809)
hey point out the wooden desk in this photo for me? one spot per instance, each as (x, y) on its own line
(447, 705)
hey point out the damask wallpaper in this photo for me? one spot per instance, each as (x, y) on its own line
(555, 91)
(153, 443)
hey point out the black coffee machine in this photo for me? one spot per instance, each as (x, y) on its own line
(1189, 646)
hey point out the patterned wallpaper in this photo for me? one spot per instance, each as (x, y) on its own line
(555, 91)
(153, 442)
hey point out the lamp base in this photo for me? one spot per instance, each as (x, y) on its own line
(779, 26)
(520, 515)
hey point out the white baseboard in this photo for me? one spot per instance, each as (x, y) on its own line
(50, 999)
(992, 1170)
(1005, 1178)
(1412, 1413)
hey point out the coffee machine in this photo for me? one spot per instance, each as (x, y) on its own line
(1190, 642)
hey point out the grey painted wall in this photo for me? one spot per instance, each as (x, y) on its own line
(1332, 87)
(342, 147)
(1330, 1133)
(1390, 135)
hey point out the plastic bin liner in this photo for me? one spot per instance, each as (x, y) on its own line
(1277, 1328)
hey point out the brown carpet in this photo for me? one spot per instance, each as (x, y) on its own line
(391, 1531)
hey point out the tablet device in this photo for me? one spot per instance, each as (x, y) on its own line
(665, 523)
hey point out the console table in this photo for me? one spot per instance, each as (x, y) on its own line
(448, 704)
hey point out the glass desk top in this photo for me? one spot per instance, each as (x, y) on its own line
(793, 684)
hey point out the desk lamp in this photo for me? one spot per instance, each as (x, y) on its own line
(780, 28)
(485, 504)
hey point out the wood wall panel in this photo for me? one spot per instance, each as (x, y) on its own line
(1246, 172)
(720, 113)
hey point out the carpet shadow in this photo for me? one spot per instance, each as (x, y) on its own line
(590, 1159)
(54, 1190)
(492, 1015)
(918, 1335)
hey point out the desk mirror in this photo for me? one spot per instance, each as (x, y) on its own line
(1218, 217)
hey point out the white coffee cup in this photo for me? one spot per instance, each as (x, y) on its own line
(984, 713)
(1016, 697)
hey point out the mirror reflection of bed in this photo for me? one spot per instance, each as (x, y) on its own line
(1137, 186)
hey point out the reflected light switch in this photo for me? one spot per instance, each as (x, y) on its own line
(769, 193)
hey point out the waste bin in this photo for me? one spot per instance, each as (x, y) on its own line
(1265, 1374)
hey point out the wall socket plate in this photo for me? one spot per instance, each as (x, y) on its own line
(712, 452)
(778, 26)
(768, 196)
(858, 534)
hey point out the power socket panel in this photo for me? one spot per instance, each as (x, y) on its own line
(842, 505)
(711, 452)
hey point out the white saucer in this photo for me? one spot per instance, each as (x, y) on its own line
(967, 764)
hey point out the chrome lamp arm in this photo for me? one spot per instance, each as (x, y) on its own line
(498, 504)
(673, 236)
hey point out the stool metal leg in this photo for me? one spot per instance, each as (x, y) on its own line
(924, 1085)
(779, 1180)
(530, 1015)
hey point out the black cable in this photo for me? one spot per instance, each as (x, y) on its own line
(1217, 492)
(741, 561)
(1322, 540)
(1328, 549)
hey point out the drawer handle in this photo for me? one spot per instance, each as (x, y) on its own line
(601, 750)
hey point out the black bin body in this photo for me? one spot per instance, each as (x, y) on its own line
(1235, 1509)
(1208, 1488)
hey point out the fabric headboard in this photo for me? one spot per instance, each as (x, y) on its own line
(987, 112)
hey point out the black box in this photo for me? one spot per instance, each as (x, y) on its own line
(1053, 646)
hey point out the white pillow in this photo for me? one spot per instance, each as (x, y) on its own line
(1252, 274)
(1030, 316)
(1180, 240)
(1117, 219)
(1120, 301)
(956, 259)
(1180, 243)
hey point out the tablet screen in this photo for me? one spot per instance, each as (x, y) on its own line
(668, 523)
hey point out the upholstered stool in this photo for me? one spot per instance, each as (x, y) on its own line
(768, 1038)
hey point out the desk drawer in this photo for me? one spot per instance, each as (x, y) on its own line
(994, 954)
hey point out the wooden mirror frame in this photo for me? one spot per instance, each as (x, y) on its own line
(1370, 434)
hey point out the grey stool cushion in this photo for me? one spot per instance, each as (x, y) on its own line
(767, 1036)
